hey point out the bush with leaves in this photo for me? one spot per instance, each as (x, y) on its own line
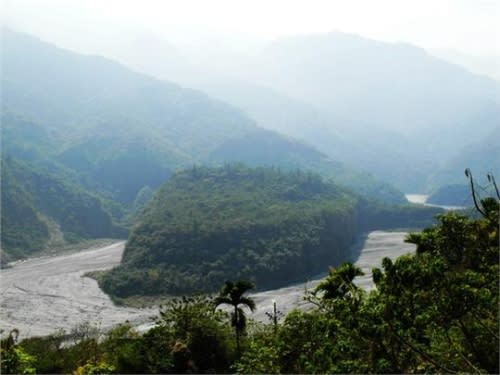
(13, 358)
(193, 322)
(432, 311)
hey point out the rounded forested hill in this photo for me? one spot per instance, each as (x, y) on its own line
(208, 225)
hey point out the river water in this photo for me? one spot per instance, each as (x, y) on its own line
(422, 199)
(42, 295)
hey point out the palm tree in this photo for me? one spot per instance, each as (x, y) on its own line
(339, 282)
(232, 294)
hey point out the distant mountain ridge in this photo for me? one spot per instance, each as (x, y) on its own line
(381, 83)
(482, 157)
(95, 124)
(388, 108)
(101, 112)
(433, 108)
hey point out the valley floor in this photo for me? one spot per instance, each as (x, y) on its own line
(40, 296)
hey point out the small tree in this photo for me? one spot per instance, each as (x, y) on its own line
(192, 322)
(232, 294)
(13, 358)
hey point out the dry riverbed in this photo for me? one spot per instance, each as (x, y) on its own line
(42, 295)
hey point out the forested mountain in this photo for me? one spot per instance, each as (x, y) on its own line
(275, 149)
(38, 207)
(115, 126)
(207, 225)
(432, 107)
(23, 231)
(388, 85)
(375, 106)
(120, 130)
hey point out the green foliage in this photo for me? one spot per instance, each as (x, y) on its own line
(261, 355)
(376, 215)
(143, 197)
(232, 294)
(204, 331)
(208, 225)
(276, 150)
(339, 282)
(23, 231)
(124, 350)
(13, 358)
(50, 356)
(435, 311)
(440, 305)
(29, 194)
(92, 368)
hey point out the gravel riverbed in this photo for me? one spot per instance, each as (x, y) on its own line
(42, 295)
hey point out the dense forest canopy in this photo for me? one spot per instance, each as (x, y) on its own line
(206, 225)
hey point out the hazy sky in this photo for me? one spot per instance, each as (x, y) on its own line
(469, 26)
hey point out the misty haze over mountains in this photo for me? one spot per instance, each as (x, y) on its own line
(101, 117)
(376, 117)
(379, 107)
(102, 138)
(338, 104)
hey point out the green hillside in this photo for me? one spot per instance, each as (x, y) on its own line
(118, 131)
(267, 148)
(32, 198)
(207, 225)
(88, 127)
(23, 231)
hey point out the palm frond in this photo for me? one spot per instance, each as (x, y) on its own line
(221, 300)
(248, 302)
